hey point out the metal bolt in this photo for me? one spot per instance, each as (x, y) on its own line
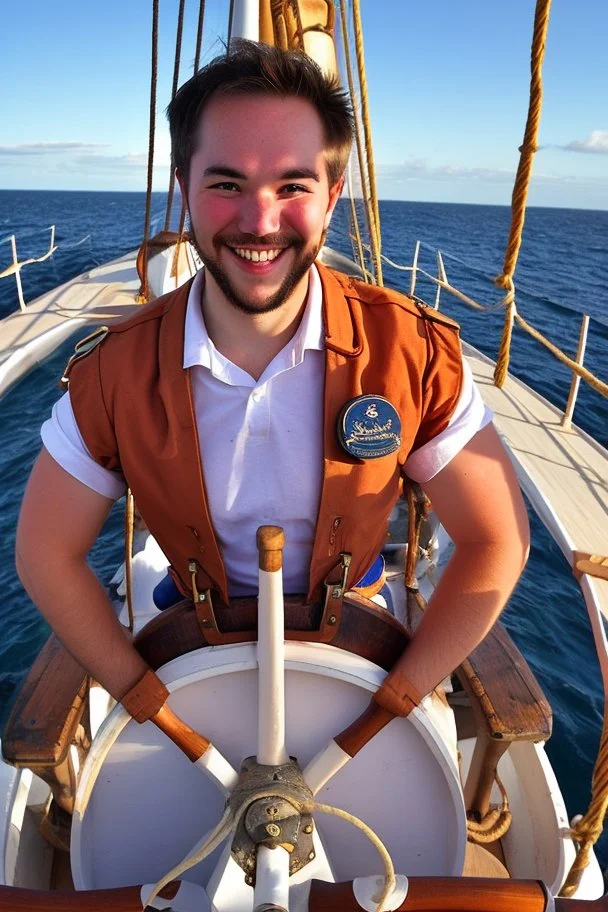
(308, 828)
(311, 856)
(249, 881)
(273, 830)
(272, 811)
(336, 592)
(331, 619)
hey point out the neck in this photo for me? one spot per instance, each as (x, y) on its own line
(251, 341)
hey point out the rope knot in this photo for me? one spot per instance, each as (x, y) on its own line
(504, 280)
(529, 148)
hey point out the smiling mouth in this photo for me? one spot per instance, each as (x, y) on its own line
(257, 256)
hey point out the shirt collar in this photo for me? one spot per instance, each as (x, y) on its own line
(200, 350)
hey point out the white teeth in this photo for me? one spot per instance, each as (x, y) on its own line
(256, 256)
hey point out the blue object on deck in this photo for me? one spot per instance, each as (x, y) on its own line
(373, 574)
(166, 594)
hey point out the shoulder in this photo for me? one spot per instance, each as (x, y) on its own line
(372, 296)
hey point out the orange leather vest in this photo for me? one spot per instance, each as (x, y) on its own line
(133, 404)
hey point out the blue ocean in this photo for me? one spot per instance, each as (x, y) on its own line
(561, 275)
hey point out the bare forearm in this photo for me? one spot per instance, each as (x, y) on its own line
(472, 592)
(74, 603)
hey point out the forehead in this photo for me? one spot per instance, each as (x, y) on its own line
(259, 131)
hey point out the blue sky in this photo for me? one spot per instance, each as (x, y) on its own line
(448, 84)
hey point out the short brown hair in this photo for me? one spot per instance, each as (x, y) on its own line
(248, 68)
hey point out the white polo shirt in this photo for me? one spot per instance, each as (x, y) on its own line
(261, 442)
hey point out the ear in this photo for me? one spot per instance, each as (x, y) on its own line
(334, 195)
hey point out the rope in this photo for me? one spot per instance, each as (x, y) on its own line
(221, 830)
(522, 181)
(129, 529)
(389, 869)
(600, 386)
(495, 823)
(199, 36)
(144, 291)
(367, 130)
(357, 122)
(229, 823)
(176, 64)
(589, 828)
(355, 223)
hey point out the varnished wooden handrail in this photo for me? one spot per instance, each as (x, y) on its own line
(443, 894)
(425, 894)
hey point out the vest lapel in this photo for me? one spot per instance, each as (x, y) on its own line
(180, 408)
(343, 342)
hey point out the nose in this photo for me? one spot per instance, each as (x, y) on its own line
(259, 214)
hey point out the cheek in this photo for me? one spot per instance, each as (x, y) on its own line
(305, 217)
(213, 214)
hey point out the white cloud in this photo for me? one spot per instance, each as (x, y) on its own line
(51, 148)
(597, 142)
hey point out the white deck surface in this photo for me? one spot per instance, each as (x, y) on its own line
(94, 298)
(563, 472)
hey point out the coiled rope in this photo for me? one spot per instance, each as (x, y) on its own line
(522, 185)
(588, 829)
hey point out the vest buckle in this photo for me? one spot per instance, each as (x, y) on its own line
(335, 585)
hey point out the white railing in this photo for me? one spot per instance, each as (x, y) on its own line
(16, 266)
(442, 283)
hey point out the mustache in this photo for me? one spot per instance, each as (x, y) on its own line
(266, 240)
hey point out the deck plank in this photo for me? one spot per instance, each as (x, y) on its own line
(568, 467)
(102, 294)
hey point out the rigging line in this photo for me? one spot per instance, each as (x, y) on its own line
(355, 221)
(199, 36)
(197, 59)
(176, 65)
(144, 291)
(522, 181)
(367, 129)
(357, 120)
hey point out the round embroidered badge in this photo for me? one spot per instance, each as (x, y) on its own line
(369, 427)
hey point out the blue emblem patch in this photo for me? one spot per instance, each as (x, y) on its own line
(369, 427)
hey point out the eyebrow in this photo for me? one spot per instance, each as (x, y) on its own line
(292, 174)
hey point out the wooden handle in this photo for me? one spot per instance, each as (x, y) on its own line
(270, 541)
(146, 697)
(397, 694)
(117, 899)
(363, 729)
(446, 894)
(190, 742)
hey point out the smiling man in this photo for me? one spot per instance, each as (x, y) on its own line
(270, 390)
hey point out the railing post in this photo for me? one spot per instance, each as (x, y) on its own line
(441, 275)
(17, 273)
(414, 268)
(576, 380)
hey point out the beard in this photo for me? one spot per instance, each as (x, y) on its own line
(303, 260)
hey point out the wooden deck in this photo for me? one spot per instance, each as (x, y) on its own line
(563, 472)
(101, 295)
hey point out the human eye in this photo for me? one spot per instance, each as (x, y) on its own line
(293, 189)
(226, 186)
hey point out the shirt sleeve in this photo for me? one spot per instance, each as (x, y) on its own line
(62, 438)
(470, 416)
